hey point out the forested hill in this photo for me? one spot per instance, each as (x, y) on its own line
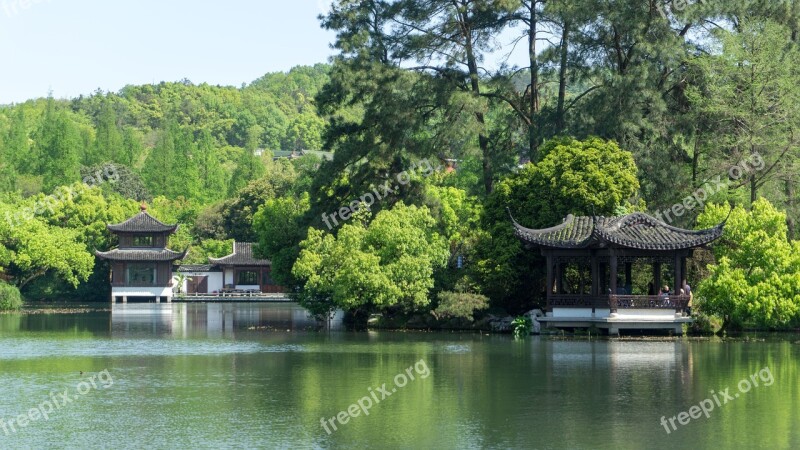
(182, 139)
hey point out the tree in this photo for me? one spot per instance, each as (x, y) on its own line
(18, 143)
(249, 167)
(237, 212)
(119, 178)
(757, 275)
(58, 142)
(160, 163)
(31, 249)
(442, 39)
(108, 144)
(210, 169)
(751, 96)
(7, 173)
(387, 264)
(591, 177)
(184, 178)
(277, 224)
(132, 147)
(305, 132)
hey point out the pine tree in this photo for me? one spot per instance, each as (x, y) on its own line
(131, 147)
(184, 178)
(108, 145)
(160, 162)
(59, 142)
(18, 149)
(248, 168)
(212, 176)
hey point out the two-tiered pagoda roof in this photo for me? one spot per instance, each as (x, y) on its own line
(142, 223)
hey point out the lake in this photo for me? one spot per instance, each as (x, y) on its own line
(261, 376)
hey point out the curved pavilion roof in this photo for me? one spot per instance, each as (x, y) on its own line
(141, 254)
(142, 223)
(636, 231)
(242, 256)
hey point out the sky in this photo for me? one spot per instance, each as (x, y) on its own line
(74, 47)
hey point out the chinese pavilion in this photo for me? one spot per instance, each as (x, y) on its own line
(141, 265)
(597, 255)
(238, 272)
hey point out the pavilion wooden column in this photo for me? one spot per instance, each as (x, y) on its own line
(549, 290)
(678, 274)
(595, 269)
(559, 278)
(612, 279)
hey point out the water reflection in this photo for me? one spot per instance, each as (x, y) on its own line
(210, 320)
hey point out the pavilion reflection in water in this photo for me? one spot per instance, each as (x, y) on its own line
(211, 319)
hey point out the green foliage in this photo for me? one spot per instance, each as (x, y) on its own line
(10, 297)
(757, 277)
(521, 327)
(237, 213)
(118, 178)
(460, 304)
(278, 227)
(207, 248)
(386, 264)
(591, 177)
(30, 248)
(58, 144)
(756, 65)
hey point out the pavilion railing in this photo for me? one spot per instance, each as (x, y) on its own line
(676, 302)
(577, 301)
(614, 302)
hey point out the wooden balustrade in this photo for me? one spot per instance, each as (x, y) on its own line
(613, 302)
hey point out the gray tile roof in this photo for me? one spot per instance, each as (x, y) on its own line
(142, 223)
(637, 230)
(141, 254)
(198, 268)
(242, 256)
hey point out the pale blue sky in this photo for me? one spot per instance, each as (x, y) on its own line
(73, 47)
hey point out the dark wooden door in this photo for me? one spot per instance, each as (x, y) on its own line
(197, 285)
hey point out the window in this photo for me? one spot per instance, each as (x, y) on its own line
(248, 277)
(141, 274)
(143, 241)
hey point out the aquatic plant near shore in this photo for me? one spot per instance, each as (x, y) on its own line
(522, 326)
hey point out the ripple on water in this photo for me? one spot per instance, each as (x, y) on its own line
(24, 348)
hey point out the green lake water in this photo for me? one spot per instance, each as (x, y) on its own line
(257, 376)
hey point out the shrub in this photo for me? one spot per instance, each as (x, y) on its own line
(10, 297)
(460, 304)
